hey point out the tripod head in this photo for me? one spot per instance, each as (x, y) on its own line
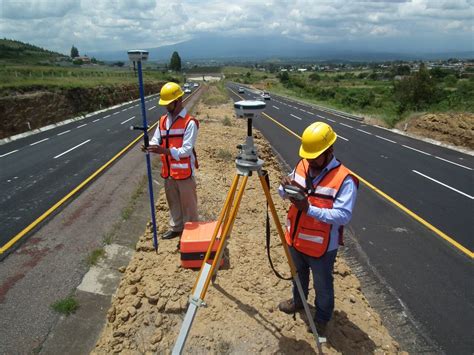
(247, 160)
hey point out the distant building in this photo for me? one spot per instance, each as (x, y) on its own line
(85, 59)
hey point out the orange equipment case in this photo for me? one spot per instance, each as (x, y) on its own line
(195, 242)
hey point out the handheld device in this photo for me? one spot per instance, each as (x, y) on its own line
(294, 192)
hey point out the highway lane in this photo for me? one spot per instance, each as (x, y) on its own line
(433, 177)
(38, 170)
(428, 279)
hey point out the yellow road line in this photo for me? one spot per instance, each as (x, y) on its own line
(282, 126)
(41, 218)
(398, 204)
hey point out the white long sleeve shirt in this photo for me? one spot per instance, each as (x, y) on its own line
(189, 139)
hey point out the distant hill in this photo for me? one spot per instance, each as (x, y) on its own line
(223, 49)
(17, 52)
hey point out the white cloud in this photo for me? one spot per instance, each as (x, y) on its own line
(116, 24)
(36, 9)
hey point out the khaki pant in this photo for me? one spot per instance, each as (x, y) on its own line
(182, 202)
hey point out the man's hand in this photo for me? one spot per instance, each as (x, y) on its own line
(286, 180)
(154, 149)
(301, 205)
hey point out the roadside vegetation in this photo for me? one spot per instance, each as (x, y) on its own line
(24, 68)
(391, 93)
(66, 306)
(216, 94)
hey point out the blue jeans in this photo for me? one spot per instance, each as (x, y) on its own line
(322, 269)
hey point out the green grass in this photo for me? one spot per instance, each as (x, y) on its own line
(216, 95)
(94, 256)
(128, 210)
(66, 306)
(226, 121)
(224, 154)
(47, 77)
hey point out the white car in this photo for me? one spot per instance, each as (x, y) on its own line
(265, 95)
(186, 85)
(241, 90)
(196, 85)
(187, 91)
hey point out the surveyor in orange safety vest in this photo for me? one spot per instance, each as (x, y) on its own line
(316, 218)
(175, 139)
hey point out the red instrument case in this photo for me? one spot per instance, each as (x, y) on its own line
(195, 242)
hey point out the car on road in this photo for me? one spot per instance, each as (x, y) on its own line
(187, 90)
(186, 85)
(266, 95)
(196, 85)
(241, 90)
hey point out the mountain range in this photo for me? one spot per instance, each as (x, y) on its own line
(254, 48)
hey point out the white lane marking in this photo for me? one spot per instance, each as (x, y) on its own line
(339, 136)
(131, 118)
(449, 161)
(151, 108)
(13, 151)
(320, 116)
(39, 141)
(106, 116)
(82, 125)
(67, 151)
(96, 120)
(386, 139)
(124, 109)
(439, 182)
(60, 134)
(330, 120)
(295, 116)
(361, 130)
(416, 150)
(343, 124)
(116, 113)
(276, 107)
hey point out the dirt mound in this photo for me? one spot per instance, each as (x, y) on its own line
(242, 315)
(20, 112)
(454, 128)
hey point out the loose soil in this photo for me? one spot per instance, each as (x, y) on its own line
(242, 315)
(455, 128)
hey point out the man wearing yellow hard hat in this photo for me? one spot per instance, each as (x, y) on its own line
(322, 192)
(175, 139)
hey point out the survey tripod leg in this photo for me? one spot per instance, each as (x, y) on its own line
(208, 270)
(294, 273)
(226, 220)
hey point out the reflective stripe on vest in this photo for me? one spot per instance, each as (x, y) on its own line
(173, 138)
(307, 234)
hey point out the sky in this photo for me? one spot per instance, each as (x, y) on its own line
(94, 25)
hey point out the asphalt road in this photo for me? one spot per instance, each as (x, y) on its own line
(426, 268)
(39, 170)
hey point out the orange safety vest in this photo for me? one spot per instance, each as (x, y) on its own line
(173, 138)
(307, 234)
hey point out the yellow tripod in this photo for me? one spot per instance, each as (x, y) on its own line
(246, 163)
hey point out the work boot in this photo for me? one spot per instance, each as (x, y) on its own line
(289, 306)
(321, 328)
(171, 235)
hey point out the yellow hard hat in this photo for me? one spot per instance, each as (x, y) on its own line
(170, 92)
(317, 137)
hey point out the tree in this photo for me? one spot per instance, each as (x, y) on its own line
(74, 52)
(175, 62)
(314, 77)
(417, 91)
(284, 77)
